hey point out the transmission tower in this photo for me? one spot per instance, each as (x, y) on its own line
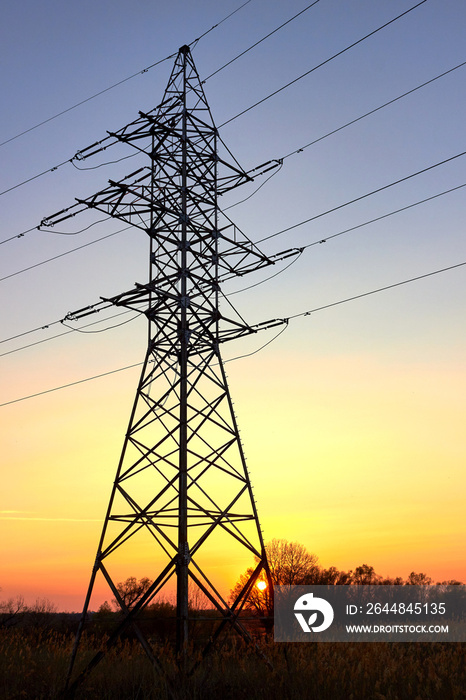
(182, 479)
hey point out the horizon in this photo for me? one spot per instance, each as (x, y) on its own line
(103, 594)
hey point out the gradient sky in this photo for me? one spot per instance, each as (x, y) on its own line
(353, 420)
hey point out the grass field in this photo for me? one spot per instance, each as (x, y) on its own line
(33, 665)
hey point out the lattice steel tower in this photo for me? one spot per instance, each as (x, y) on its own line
(182, 478)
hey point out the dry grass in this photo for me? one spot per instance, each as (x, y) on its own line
(33, 666)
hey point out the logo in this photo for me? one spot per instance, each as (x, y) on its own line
(307, 603)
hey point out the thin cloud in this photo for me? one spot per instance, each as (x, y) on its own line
(9, 515)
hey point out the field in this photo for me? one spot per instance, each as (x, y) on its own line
(33, 665)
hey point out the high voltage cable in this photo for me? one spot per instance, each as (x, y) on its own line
(120, 82)
(66, 386)
(376, 291)
(61, 255)
(364, 196)
(294, 152)
(301, 249)
(88, 99)
(317, 216)
(59, 335)
(253, 46)
(322, 240)
(275, 172)
(382, 216)
(33, 330)
(57, 233)
(54, 323)
(193, 43)
(18, 235)
(153, 65)
(101, 165)
(282, 320)
(71, 160)
(34, 177)
(267, 279)
(372, 111)
(298, 150)
(254, 352)
(256, 104)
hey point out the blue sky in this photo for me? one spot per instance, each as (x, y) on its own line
(374, 386)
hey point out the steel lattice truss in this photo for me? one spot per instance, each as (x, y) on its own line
(182, 479)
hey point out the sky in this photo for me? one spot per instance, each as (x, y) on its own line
(353, 418)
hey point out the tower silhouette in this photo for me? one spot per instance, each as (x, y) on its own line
(182, 479)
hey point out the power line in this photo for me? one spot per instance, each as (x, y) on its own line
(283, 320)
(61, 255)
(66, 386)
(253, 46)
(267, 279)
(317, 216)
(284, 87)
(301, 249)
(59, 165)
(71, 330)
(364, 196)
(73, 233)
(194, 43)
(111, 87)
(254, 352)
(91, 308)
(309, 245)
(376, 291)
(34, 177)
(71, 160)
(298, 150)
(18, 235)
(43, 223)
(372, 111)
(275, 172)
(88, 99)
(383, 216)
(33, 330)
(102, 165)
(294, 152)
(101, 330)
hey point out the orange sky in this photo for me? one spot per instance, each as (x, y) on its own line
(360, 460)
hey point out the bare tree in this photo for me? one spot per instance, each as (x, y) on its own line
(365, 575)
(334, 577)
(197, 600)
(415, 579)
(290, 565)
(131, 590)
(11, 609)
(388, 581)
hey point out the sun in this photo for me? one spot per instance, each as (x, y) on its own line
(261, 585)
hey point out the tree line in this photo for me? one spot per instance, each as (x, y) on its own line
(292, 565)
